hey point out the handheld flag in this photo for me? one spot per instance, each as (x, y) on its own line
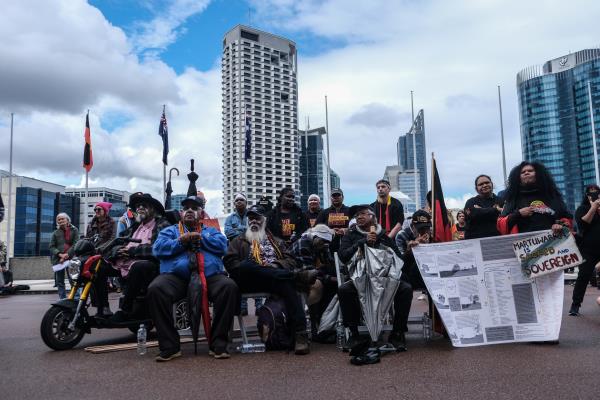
(88, 160)
(248, 139)
(439, 213)
(163, 132)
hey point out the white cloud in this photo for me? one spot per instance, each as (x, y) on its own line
(66, 57)
(166, 26)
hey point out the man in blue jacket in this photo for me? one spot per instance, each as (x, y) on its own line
(176, 248)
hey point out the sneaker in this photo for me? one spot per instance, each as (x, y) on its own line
(167, 355)
(398, 340)
(302, 346)
(574, 311)
(104, 312)
(358, 344)
(219, 354)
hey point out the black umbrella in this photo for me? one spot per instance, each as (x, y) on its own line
(169, 189)
(193, 177)
(197, 302)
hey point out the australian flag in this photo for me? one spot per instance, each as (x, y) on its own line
(248, 139)
(163, 132)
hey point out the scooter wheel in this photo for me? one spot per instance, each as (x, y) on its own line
(55, 329)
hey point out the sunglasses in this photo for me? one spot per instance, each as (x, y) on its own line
(98, 209)
(336, 195)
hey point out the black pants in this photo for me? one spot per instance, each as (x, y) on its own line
(101, 285)
(254, 278)
(166, 289)
(351, 311)
(586, 272)
(140, 275)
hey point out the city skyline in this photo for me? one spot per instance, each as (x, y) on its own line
(128, 60)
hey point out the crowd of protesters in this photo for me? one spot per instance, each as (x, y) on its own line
(281, 250)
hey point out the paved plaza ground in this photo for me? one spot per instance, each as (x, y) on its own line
(30, 370)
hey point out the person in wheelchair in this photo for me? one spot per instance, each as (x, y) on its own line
(259, 262)
(311, 252)
(368, 231)
(133, 262)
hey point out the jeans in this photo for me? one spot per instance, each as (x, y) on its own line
(59, 281)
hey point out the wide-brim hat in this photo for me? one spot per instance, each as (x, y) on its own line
(137, 198)
(358, 208)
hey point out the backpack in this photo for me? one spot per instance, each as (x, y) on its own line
(272, 325)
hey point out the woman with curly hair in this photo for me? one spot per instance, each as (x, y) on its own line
(533, 202)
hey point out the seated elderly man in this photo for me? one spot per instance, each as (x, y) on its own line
(312, 252)
(258, 262)
(133, 261)
(176, 248)
(368, 231)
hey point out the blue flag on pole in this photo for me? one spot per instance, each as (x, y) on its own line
(163, 132)
(248, 139)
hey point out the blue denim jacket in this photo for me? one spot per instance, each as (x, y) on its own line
(235, 225)
(175, 259)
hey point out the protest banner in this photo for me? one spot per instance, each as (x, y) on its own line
(545, 253)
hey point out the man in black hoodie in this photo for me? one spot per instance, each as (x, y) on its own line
(287, 221)
(368, 231)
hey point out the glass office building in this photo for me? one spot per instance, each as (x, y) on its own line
(312, 165)
(35, 215)
(554, 111)
(406, 159)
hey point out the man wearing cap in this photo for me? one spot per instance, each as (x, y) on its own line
(336, 217)
(388, 210)
(259, 262)
(314, 208)
(418, 232)
(368, 232)
(134, 261)
(312, 252)
(177, 247)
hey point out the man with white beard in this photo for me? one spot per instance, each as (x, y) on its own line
(258, 262)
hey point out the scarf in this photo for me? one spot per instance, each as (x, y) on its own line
(387, 226)
(257, 254)
(67, 244)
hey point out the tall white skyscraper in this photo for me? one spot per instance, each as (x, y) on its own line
(259, 81)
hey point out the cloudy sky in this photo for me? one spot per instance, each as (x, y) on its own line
(124, 60)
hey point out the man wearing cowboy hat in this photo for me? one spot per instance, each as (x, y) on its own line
(134, 261)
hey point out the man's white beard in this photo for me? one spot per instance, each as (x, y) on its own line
(259, 235)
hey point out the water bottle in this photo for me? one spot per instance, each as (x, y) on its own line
(340, 335)
(141, 340)
(251, 348)
(427, 327)
(308, 327)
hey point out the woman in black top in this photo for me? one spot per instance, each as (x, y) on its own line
(481, 211)
(587, 217)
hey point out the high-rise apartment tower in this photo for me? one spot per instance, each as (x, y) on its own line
(259, 86)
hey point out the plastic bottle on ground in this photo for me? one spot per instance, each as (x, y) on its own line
(251, 348)
(141, 340)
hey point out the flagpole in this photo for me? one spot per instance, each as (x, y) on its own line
(432, 200)
(593, 126)
(328, 194)
(85, 214)
(10, 179)
(502, 137)
(164, 168)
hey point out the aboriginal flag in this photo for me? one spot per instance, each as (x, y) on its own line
(88, 160)
(163, 132)
(439, 213)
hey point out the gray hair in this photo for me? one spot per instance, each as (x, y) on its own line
(65, 215)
